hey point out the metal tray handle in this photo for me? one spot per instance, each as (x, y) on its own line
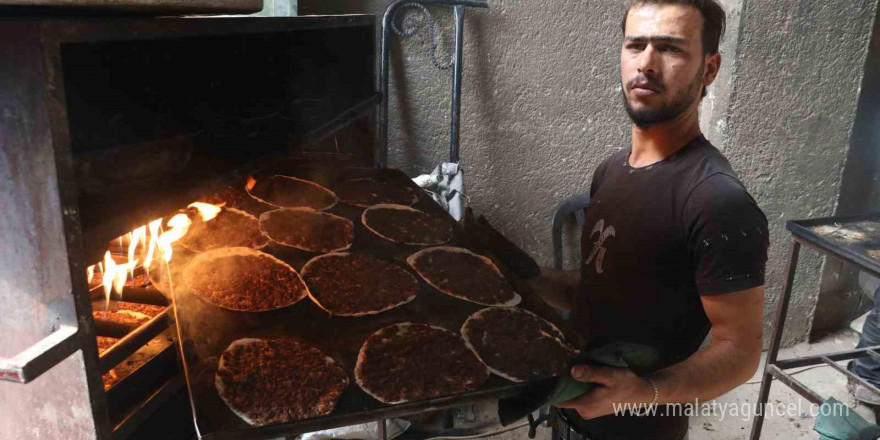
(40, 357)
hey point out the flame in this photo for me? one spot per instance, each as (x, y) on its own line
(108, 276)
(206, 210)
(135, 237)
(251, 182)
(179, 225)
(154, 238)
(114, 275)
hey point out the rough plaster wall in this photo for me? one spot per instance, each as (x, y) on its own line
(840, 297)
(713, 110)
(790, 118)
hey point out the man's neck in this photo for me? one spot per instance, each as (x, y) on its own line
(657, 142)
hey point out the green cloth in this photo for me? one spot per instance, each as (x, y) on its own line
(550, 391)
(837, 421)
(639, 358)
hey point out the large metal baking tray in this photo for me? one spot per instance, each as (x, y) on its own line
(854, 239)
(135, 7)
(207, 330)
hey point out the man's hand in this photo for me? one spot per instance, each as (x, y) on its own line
(616, 387)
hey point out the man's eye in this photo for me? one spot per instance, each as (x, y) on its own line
(635, 46)
(671, 49)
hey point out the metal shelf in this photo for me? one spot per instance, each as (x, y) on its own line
(854, 239)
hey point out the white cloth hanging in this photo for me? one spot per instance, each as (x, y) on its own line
(446, 186)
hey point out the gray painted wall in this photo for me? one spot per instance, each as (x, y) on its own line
(791, 113)
(840, 298)
(542, 108)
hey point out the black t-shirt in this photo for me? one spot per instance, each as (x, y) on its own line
(656, 239)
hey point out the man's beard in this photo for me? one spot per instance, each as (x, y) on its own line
(647, 117)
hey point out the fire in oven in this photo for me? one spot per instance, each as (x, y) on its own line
(237, 259)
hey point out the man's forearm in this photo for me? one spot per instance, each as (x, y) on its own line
(730, 358)
(708, 373)
(557, 287)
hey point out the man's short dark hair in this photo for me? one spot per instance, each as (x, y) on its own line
(714, 19)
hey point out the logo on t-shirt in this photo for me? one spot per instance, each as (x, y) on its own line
(599, 245)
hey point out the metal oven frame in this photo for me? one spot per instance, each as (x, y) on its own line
(48, 327)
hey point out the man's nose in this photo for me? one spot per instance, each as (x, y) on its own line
(647, 62)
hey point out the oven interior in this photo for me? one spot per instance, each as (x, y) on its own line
(160, 115)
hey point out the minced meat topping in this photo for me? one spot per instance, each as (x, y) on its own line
(407, 362)
(276, 381)
(346, 284)
(245, 282)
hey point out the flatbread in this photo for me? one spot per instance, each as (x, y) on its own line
(368, 192)
(517, 344)
(243, 279)
(124, 317)
(407, 362)
(307, 229)
(346, 284)
(405, 225)
(231, 228)
(465, 275)
(290, 192)
(109, 378)
(146, 309)
(278, 380)
(105, 342)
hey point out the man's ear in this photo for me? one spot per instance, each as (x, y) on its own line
(713, 65)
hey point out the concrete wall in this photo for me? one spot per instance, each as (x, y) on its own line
(790, 119)
(542, 108)
(841, 299)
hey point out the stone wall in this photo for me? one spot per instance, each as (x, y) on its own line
(796, 86)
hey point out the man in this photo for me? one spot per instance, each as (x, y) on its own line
(868, 368)
(673, 244)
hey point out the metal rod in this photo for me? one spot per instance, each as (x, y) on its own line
(778, 326)
(851, 375)
(142, 295)
(806, 361)
(381, 160)
(795, 385)
(454, 130)
(135, 340)
(873, 353)
(382, 429)
(40, 357)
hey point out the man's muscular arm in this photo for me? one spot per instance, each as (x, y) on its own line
(731, 357)
(729, 360)
(557, 287)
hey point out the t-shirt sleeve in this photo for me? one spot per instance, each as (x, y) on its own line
(727, 236)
